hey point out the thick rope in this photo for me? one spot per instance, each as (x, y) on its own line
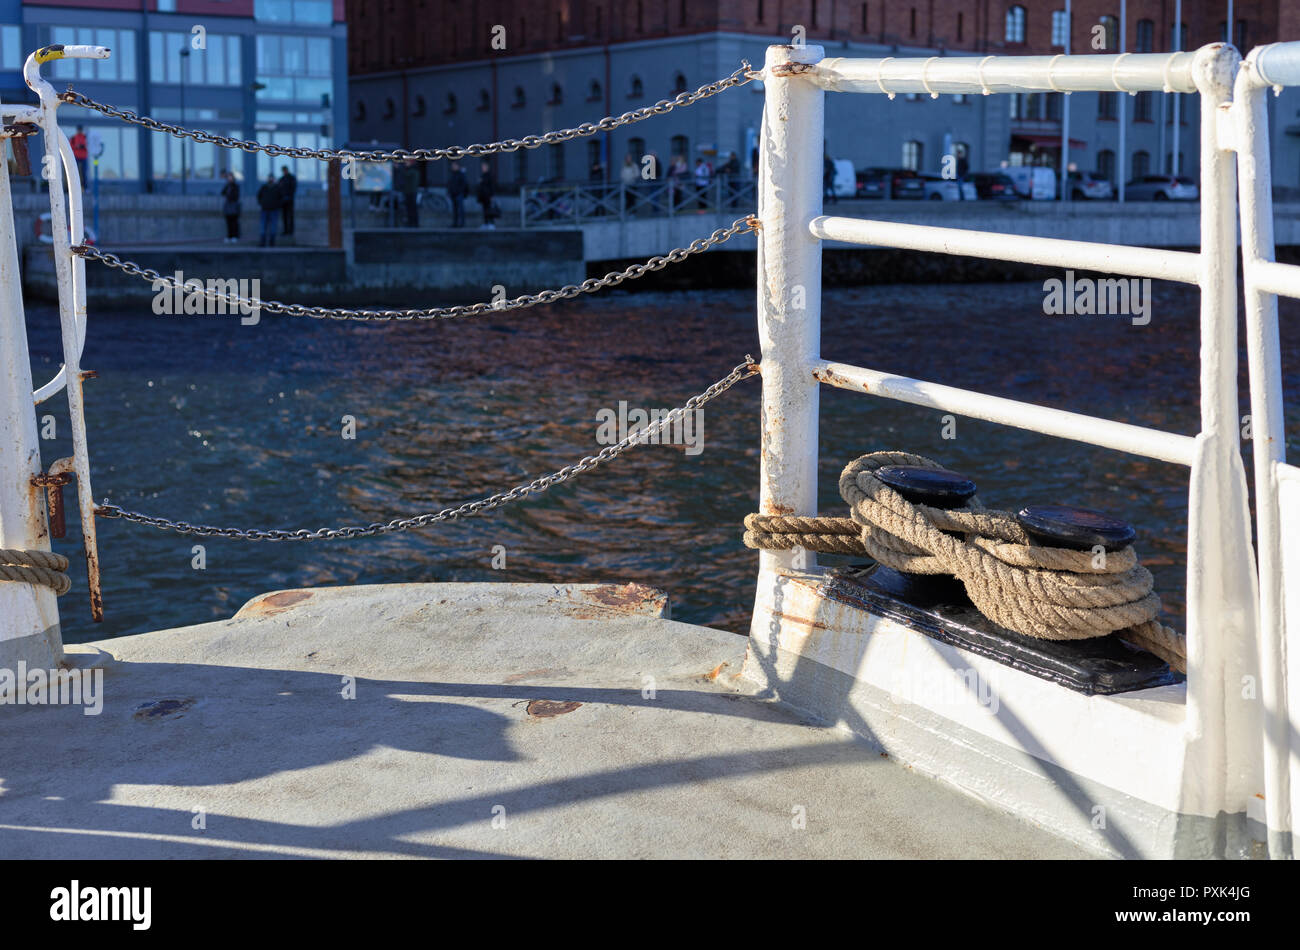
(1043, 592)
(35, 567)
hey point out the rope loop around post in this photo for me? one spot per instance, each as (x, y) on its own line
(1044, 592)
(40, 568)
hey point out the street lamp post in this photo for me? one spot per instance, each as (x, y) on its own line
(185, 57)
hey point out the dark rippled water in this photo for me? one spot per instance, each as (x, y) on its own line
(205, 420)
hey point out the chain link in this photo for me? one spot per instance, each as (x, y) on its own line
(588, 286)
(738, 78)
(535, 487)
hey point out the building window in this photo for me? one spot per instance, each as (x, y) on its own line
(484, 100)
(912, 155)
(679, 84)
(1015, 24)
(960, 24)
(1142, 106)
(1241, 35)
(1106, 165)
(557, 95)
(760, 10)
(450, 107)
(1169, 163)
(359, 111)
(295, 68)
(864, 15)
(117, 148)
(1141, 165)
(319, 12)
(555, 162)
(421, 107)
(594, 92)
(1109, 34)
(1060, 28)
(1179, 34)
(1107, 105)
(636, 148)
(636, 89)
(520, 99)
(595, 166)
(521, 165)
(390, 108)
(1145, 39)
(120, 67)
(681, 146)
(913, 25)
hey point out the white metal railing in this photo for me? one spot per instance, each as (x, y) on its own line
(1222, 734)
(1264, 279)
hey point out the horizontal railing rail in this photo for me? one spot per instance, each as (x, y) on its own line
(551, 204)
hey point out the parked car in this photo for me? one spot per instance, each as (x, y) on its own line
(1162, 188)
(1089, 185)
(845, 181)
(1036, 182)
(938, 188)
(904, 183)
(994, 186)
(871, 183)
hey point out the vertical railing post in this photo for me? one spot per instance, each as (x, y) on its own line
(29, 615)
(1268, 441)
(1223, 721)
(789, 291)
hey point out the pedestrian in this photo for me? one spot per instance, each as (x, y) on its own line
(288, 185)
(629, 176)
(270, 200)
(678, 172)
(406, 182)
(828, 179)
(703, 174)
(80, 152)
(487, 190)
(457, 189)
(230, 206)
(730, 177)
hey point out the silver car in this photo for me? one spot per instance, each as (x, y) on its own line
(938, 188)
(1162, 188)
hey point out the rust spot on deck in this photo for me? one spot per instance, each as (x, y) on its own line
(548, 709)
(601, 601)
(162, 709)
(273, 604)
(716, 671)
(532, 674)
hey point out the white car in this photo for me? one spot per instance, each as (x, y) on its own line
(938, 188)
(1162, 188)
(1036, 182)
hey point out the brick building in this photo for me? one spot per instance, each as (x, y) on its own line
(435, 72)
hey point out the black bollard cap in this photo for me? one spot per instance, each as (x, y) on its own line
(1063, 526)
(936, 487)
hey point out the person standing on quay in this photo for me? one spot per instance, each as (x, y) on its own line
(487, 190)
(230, 206)
(457, 189)
(80, 152)
(288, 185)
(270, 200)
(407, 182)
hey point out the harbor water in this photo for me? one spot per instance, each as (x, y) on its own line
(210, 420)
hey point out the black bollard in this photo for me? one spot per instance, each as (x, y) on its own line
(1080, 529)
(936, 487)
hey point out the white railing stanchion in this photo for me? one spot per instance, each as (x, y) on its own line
(29, 614)
(1249, 125)
(1222, 729)
(789, 292)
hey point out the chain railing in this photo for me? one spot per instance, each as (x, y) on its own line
(235, 303)
(738, 78)
(587, 201)
(470, 508)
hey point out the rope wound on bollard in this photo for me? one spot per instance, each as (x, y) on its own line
(1051, 591)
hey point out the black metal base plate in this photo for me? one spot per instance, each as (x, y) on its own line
(939, 608)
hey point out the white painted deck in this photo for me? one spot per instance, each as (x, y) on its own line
(440, 738)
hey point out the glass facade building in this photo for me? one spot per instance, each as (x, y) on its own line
(271, 70)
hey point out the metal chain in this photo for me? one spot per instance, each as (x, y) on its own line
(536, 486)
(738, 78)
(590, 285)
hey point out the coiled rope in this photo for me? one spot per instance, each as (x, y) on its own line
(1044, 592)
(35, 567)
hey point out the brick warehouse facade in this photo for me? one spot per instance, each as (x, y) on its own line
(424, 72)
